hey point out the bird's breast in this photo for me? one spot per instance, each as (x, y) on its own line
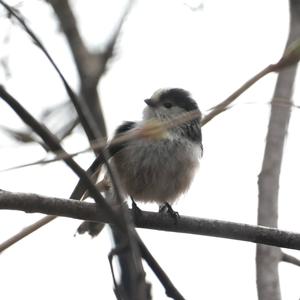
(157, 171)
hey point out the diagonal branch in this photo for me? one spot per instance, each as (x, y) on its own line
(91, 66)
(119, 217)
(222, 106)
(83, 111)
(82, 57)
(52, 142)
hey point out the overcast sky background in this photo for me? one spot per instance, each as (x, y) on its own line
(210, 52)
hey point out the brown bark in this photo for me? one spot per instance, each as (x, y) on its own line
(32, 203)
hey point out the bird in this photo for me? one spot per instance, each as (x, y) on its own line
(157, 170)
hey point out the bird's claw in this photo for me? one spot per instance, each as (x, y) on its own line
(167, 208)
(135, 208)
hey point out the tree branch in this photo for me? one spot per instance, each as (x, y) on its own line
(290, 259)
(83, 111)
(52, 142)
(32, 203)
(68, 24)
(267, 258)
(118, 216)
(90, 66)
(222, 106)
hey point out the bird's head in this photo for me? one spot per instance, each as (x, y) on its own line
(165, 104)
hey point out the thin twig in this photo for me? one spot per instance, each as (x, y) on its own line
(149, 130)
(25, 231)
(222, 106)
(170, 288)
(217, 110)
(83, 112)
(53, 143)
(101, 143)
(118, 217)
(90, 65)
(77, 194)
(109, 51)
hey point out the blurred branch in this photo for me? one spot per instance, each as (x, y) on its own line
(82, 109)
(86, 63)
(134, 266)
(51, 141)
(150, 130)
(53, 116)
(91, 66)
(67, 129)
(23, 136)
(28, 136)
(138, 285)
(267, 258)
(32, 203)
(216, 110)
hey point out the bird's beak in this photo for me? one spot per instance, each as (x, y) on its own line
(150, 102)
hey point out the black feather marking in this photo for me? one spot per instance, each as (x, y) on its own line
(179, 97)
(126, 126)
(123, 128)
(192, 131)
(111, 149)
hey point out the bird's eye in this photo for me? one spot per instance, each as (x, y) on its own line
(168, 104)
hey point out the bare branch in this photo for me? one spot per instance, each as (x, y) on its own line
(25, 232)
(73, 209)
(32, 203)
(54, 145)
(118, 216)
(150, 130)
(109, 52)
(267, 258)
(68, 24)
(171, 290)
(82, 109)
(90, 66)
(222, 106)
(22, 136)
(290, 259)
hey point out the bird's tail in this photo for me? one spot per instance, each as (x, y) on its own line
(94, 228)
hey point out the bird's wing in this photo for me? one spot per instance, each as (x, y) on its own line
(112, 149)
(123, 128)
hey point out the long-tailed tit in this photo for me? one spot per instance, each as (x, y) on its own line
(158, 170)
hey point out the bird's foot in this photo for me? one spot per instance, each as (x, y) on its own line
(167, 208)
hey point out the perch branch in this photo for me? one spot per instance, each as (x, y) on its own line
(32, 203)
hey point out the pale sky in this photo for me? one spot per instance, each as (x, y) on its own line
(210, 52)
